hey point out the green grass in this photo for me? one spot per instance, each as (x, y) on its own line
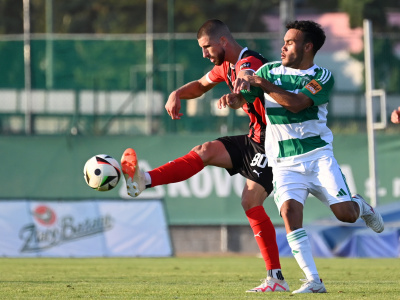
(188, 278)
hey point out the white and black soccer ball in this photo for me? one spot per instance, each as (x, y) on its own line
(102, 172)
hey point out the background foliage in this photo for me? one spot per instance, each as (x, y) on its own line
(127, 16)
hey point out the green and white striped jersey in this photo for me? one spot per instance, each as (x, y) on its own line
(296, 137)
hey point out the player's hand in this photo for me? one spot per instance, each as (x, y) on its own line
(395, 117)
(173, 106)
(230, 100)
(244, 83)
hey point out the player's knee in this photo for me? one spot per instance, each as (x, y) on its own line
(252, 197)
(204, 151)
(292, 211)
(248, 203)
(287, 212)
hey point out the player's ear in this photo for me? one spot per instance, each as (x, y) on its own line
(309, 47)
(223, 41)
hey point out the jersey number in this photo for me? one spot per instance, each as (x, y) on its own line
(259, 160)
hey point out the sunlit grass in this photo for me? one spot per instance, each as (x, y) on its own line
(188, 278)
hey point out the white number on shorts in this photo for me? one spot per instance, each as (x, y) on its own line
(259, 160)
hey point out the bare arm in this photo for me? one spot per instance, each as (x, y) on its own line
(191, 90)
(291, 101)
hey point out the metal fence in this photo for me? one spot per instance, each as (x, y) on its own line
(97, 85)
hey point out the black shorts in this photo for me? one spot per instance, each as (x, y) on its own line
(248, 159)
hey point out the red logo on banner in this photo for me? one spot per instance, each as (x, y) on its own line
(44, 215)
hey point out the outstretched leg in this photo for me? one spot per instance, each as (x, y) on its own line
(210, 153)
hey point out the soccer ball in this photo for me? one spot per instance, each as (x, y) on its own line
(102, 172)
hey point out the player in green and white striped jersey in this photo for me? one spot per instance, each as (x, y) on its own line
(298, 143)
(294, 137)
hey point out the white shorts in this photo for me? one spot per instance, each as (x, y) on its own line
(322, 178)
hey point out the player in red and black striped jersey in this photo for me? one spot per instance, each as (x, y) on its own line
(243, 154)
(248, 61)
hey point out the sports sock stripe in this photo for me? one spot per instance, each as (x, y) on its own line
(296, 235)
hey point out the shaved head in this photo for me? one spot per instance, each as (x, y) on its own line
(214, 29)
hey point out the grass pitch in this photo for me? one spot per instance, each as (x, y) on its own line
(188, 278)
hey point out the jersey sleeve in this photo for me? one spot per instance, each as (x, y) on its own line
(248, 63)
(255, 92)
(216, 75)
(319, 88)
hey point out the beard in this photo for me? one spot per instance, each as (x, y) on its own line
(220, 58)
(293, 61)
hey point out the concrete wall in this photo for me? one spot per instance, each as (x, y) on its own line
(222, 239)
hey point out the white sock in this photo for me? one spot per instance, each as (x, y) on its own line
(147, 179)
(360, 204)
(301, 250)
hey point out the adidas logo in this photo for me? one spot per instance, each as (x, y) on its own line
(341, 193)
(278, 82)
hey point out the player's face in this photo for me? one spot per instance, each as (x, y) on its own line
(212, 50)
(292, 54)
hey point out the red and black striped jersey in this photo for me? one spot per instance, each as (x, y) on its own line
(248, 60)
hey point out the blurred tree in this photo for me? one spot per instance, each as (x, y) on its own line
(124, 16)
(374, 10)
(129, 16)
(11, 17)
(364, 9)
(317, 6)
(240, 16)
(100, 16)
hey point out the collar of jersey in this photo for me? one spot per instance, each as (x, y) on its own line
(240, 57)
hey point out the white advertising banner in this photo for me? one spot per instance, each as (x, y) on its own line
(84, 229)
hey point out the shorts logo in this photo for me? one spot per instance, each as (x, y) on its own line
(341, 193)
(259, 160)
(313, 87)
(258, 173)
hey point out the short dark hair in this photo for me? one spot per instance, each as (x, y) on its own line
(313, 32)
(214, 29)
